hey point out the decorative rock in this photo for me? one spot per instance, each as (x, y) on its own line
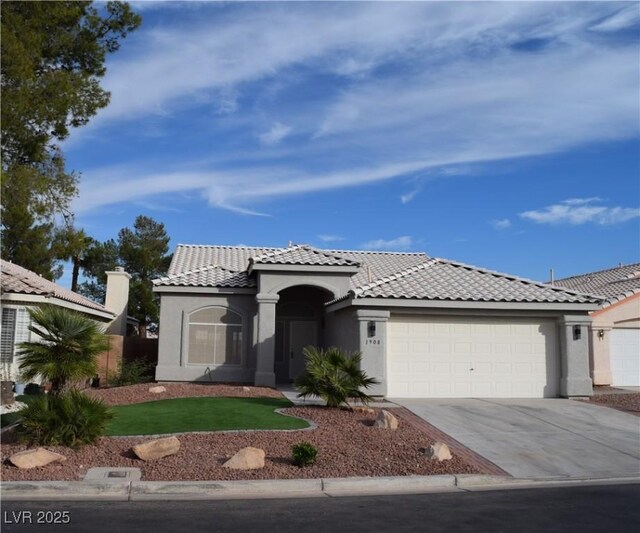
(246, 389)
(363, 409)
(386, 420)
(156, 449)
(35, 458)
(157, 390)
(246, 459)
(438, 451)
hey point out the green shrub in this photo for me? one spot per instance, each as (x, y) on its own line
(67, 419)
(304, 454)
(334, 376)
(67, 348)
(132, 372)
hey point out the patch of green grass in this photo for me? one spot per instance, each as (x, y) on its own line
(201, 414)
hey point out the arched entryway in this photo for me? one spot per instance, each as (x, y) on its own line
(300, 322)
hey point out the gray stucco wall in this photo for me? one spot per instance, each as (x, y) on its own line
(274, 282)
(341, 330)
(173, 338)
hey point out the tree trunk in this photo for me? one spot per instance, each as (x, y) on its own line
(75, 273)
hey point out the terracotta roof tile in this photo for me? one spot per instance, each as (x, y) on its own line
(439, 279)
(613, 284)
(18, 280)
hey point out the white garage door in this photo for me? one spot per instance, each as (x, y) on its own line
(624, 350)
(449, 357)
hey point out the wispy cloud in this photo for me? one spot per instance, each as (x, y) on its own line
(400, 243)
(624, 18)
(275, 134)
(457, 91)
(330, 238)
(408, 197)
(500, 224)
(577, 211)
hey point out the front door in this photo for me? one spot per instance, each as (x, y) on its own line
(301, 334)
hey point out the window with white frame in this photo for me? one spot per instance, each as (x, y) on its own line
(215, 337)
(7, 334)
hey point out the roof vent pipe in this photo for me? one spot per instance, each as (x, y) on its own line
(551, 276)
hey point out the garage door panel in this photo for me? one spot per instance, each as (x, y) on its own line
(472, 357)
(624, 353)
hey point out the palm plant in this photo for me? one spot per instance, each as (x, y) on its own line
(334, 376)
(67, 350)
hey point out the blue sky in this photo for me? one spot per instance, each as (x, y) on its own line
(504, 135)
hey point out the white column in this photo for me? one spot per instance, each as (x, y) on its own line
(265, 375)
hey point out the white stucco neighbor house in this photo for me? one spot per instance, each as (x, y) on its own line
(426, 327)
(21, 289)
(614, 334)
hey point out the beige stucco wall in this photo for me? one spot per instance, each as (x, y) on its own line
(624, 314)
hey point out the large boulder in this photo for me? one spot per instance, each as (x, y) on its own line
(438, 451)
(246, 459)
(35, 458)
(386, 420)
(156, 449)
(157, 390)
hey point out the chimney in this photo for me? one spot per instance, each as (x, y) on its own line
(116, 300)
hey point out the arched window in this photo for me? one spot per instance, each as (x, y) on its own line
(215, 337)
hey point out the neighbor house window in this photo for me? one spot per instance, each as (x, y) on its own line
(8, 334)
(215, 337)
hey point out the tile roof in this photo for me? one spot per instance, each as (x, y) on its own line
(302, 254)
(613, 284)
(15, 279)
(209, 276)
(190, 259)
(381, 274)
(440, 279)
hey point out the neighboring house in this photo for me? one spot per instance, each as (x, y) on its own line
(426, 327)
(21, 288)
(615, 330)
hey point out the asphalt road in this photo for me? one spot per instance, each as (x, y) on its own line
(610, 509)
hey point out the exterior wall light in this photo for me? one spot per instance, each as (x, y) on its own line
(371, 329)
(577, 333)
(601, 334)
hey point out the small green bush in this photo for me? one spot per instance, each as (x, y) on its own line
(304, 454)
(70, 419)
(133, 372)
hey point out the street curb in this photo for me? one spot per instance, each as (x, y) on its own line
(210, 490)
(64, 490)
(387, 485)
(279, 488)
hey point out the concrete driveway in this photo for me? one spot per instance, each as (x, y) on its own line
(550, 438)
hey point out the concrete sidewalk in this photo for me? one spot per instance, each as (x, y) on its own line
(283, 488)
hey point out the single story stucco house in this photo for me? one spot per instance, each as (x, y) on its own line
(21, 289)
(614, 334)
(426, 327)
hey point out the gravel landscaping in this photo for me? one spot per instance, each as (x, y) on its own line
(624, 401)
(348, 445)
